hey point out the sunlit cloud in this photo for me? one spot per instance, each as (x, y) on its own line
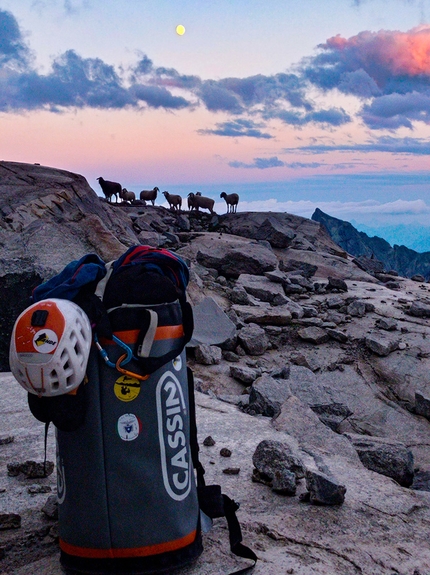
(392, 67)
(389, 58)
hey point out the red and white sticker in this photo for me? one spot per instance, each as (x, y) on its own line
(129, 427)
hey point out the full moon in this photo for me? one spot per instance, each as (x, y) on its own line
(180, 30)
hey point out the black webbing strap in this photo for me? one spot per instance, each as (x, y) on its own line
(215, 504)
(235, 534)
(211, 501)
(194, 444)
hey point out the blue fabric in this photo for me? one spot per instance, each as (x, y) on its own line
(68, 283)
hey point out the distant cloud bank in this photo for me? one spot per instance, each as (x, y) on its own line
(368, 210)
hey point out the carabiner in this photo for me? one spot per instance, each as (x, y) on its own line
(128, 355)
(128, 350)
(126, 372)
(103, 352)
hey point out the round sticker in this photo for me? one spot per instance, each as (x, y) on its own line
(45, 341)
(127, 388)
(128, 427)
(177, 363)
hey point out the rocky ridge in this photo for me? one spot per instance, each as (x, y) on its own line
(316, 387)
(405, 261)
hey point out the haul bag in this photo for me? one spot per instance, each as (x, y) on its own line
(126, 489)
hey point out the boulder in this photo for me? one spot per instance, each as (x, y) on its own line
(335, 302)
(267, 396)
(419, 309)
(265, 314)
(278, 235)
(336, 284)
(207, 354)
(239, 295)
(211, 325)
(356, 308)
(381, 345)
(262, 288)
(253, 339)
(306, 269)
(309, 235)
(246, 375)
(385, 456)
(313, 334)
(232, 259)
(338, 335)
(386, 323)
(276, 276)
(323, 489)
(278, 465)
(368, 264)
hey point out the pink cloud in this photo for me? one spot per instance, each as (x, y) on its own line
(385, 53)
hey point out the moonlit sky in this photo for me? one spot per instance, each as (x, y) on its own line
(294, 104)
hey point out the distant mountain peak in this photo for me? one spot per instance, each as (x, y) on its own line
(402, 259)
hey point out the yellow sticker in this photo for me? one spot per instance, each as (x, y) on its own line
(127, 388)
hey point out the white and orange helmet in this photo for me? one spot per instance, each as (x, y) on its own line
(50, 347)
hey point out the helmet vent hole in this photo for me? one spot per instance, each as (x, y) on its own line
(55, 384)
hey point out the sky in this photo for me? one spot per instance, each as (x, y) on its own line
(294, 104)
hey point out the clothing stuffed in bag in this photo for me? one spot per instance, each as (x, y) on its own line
(135, 285)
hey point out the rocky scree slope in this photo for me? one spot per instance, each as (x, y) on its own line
(316, 399)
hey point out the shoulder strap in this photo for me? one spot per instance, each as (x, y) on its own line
(101, 286)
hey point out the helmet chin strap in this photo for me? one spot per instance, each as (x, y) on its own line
(39, 391)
